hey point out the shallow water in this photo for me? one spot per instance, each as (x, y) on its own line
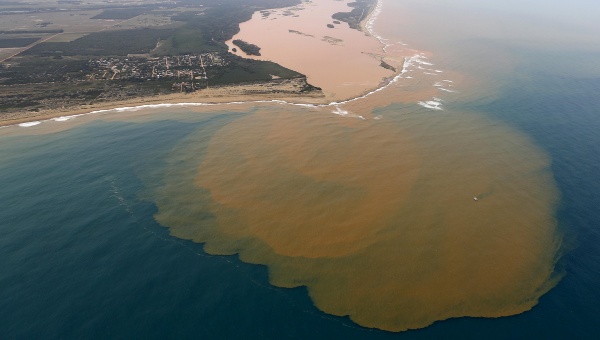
(376, 216)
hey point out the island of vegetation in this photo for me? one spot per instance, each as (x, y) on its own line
(249, 49)
(103, 52)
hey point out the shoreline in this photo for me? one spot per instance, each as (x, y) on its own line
(233, 94)
(367, 24)
(214, 96)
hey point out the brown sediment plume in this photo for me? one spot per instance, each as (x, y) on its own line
(331, 197)
(376, 218)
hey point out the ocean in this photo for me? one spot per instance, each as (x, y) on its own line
(460, 201)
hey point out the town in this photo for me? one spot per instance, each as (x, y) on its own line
(189, 71)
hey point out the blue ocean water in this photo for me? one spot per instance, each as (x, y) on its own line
(81, 255)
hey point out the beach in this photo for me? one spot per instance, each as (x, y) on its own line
(286, 91)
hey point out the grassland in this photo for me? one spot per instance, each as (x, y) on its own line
(16, 42)
(121, 13)
(106, 43)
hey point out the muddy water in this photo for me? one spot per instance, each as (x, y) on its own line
(342, 61)
(396, 209)
(376, 217)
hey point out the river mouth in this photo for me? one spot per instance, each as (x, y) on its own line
(343, 62)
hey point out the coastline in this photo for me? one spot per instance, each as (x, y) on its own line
(211, 96)
(367, 23)
(242, 93)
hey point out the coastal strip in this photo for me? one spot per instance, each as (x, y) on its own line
(217, 97)
(224, 95)
(285, 91)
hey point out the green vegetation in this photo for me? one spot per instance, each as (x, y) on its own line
(249, 49)
(17, 42)
(213, 26)
(108, 43)
(121, 13)
(32, 32)
(185, 40)
(42, 70)
(242, 70)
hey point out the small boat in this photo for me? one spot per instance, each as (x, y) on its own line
(475, 198)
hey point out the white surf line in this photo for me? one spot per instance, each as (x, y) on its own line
(28, 124)
(434, 104)
(431, 104)
(407, 63)
(158, 106)
(440, 86)
(417, 58)
(371, 22)
(447, 90)
(340, 112)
